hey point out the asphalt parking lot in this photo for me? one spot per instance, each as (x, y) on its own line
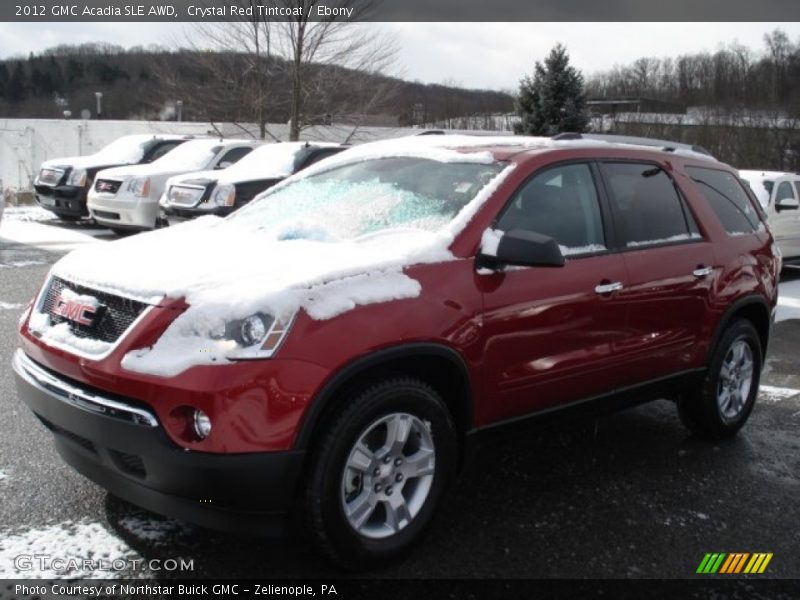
(629, 495)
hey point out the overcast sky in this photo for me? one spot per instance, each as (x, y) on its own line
(486, 55)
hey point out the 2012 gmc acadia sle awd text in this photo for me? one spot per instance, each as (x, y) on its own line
(332, 348)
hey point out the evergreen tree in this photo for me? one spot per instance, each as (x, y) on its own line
(552, 101)
(17, 84)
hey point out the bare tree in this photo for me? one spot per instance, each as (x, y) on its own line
(327, 58)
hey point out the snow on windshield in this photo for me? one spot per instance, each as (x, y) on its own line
(189, 156)
(353, 200)
(129, 149)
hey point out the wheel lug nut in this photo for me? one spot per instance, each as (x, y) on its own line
(398, 462)
(376, 472)
(387, 459)
(399, 478)
(378, 487)
(389, 491)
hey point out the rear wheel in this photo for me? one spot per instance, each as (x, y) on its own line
(723, 403)
(379, 472)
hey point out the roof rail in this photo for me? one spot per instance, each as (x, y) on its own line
(665, 145)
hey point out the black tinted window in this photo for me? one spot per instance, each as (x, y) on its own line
(234, 154)
(727, 199)
(561, 203)
(784, 191)
(161, 150)
(651, 209)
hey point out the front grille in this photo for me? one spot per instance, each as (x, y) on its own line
(107, 186)
(73, 437)
(129, 463)
(112, 320)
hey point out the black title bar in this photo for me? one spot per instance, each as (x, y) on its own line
(400, 10)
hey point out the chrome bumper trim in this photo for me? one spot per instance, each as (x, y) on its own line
(75, 396)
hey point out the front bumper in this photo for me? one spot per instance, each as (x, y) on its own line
(120, 445)
(66, 200)
(123, 212)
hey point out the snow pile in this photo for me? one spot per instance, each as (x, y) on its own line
(10, 305)
(681, 237)
(71, 543)
(27, 214)
(154, 532)
(590, 249)
(2, 475)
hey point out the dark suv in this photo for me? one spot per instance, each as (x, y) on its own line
(387, 306)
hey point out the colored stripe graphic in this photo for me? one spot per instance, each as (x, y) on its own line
(722, 563)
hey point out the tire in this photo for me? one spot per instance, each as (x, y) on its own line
(713, 412)
(335, 487)
(69, 218)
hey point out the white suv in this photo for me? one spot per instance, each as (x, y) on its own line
(779, 196)
(126, 198)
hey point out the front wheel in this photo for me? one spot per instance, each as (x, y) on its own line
(723, 403)
(379, 471)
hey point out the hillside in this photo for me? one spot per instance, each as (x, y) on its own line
(145, 82)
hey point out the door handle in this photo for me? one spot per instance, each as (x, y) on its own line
(702, 271)
(607, 288)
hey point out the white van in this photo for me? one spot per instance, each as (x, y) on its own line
(779, 195)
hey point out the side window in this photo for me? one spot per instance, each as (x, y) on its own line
(727, 199)
(652, 211)
(784, 192)
(797, 188)
(318, 156)
(233, 155)
(562, 203)
(161, 150)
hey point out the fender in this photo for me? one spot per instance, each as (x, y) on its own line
(728, 314)
(375, 359)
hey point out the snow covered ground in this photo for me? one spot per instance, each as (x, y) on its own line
(32, 225)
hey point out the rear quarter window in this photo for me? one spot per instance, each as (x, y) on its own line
(727, 199)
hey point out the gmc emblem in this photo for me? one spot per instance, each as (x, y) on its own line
(75, 311)
(103, 186)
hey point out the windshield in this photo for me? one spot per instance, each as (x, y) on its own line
(189, 156)
(266, 162)
(129, 149)
(372, 195)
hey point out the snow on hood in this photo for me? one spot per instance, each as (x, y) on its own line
(132, 171)
(76, 162)
(279, 273)
(211, 174)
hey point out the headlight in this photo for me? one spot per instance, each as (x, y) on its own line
(257, 336)
(139, 186)
(77, 177)
(224, 195)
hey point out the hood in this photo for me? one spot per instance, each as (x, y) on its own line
(292, 268)
(205, 176)
(76, 162)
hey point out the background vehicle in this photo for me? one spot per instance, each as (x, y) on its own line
(126, 198)
(333, 347)
(222, 192)
(62, 183)
(779, 196)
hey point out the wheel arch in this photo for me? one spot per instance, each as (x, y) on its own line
(438, 365)
(753, 308)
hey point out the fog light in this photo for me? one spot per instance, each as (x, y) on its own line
(202, 424)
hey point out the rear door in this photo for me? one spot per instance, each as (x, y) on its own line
(785, 222)
(551, 332)
(670, 265)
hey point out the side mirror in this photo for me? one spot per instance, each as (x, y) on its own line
(521, 248)
(786, 204)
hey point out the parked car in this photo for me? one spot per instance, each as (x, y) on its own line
(62, 183)
(222, 192)
(778, 194)
(334, 347)
(126, 198)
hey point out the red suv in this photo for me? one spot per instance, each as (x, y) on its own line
(332, 348)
